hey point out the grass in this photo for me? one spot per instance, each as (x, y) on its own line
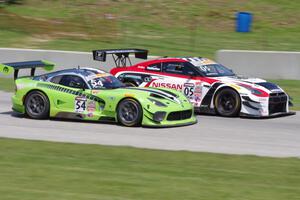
(184, 27)
(292, 87)
(45, 170)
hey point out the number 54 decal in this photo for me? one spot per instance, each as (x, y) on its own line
(80, 104)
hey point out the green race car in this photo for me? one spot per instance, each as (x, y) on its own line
(92, 94)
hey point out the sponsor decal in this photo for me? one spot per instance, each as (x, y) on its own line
(153, 68)
(198, 88)
(91, 107)
(80, 104)
(94, 92)
(206, 61)
(188, 90)
(129, 95)
(90, 115)
(168, 85)
(97, 76)
(141, 67)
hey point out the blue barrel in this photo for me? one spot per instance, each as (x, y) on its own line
(243, 22)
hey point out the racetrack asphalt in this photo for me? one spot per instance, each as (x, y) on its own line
(275, 137)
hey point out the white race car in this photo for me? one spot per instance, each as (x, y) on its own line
(210, 86)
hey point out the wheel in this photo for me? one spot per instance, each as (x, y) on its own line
(37, 105)
(228, 103)
(129, 112)
(130, 84)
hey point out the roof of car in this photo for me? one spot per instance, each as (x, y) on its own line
(148, 62)
(77, 71)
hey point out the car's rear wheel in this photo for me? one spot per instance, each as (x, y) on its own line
(37, 105)
(129, 112)
(227, 103)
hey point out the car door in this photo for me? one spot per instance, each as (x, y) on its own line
(68, 97)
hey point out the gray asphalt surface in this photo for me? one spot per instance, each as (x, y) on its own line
(276, 137)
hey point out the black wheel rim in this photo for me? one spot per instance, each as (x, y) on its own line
(227, 103)
(129, 112)
(36, 104)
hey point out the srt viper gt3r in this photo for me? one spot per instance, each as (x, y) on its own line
(209, 86)
(91, 94)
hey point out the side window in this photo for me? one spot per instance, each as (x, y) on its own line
(73, 81)
(154, 67)
(56, 79)
(188, 70)
(173, 67)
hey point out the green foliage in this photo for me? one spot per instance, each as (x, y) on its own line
(184, 27)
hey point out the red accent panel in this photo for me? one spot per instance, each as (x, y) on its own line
(263, 93)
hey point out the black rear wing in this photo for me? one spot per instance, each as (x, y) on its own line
(8, 68)
(120, 56)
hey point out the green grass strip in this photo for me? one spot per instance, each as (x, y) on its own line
(45, 170)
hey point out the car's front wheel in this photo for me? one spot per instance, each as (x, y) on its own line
(37, 105)
(227, 103)
(129, 112)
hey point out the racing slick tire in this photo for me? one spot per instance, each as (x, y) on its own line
(129, 112)
(228, 103)
(37, 105)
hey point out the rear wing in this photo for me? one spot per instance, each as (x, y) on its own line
(120, 56)
(8, 68)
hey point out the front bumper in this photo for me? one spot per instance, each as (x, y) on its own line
(171, 119)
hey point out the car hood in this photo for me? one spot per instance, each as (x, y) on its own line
(251, 82)
(140, 93)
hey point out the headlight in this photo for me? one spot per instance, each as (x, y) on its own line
(158, 103)
(251, 89)
(159, 116)
(255, 92)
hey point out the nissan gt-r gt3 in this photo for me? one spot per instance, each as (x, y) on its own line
(210, 86)
(91, 94)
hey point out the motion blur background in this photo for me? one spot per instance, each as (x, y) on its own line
(184, 27)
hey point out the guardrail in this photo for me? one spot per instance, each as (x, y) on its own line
(62, 59)
(263, 64)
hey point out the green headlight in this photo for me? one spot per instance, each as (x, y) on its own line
(159, 116)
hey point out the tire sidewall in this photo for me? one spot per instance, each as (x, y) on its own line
(138, 121)
(237, 108)
(45, 113)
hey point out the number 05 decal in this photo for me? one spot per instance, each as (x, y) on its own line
(80, 104)
(189, 90)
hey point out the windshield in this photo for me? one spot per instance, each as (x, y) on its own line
(105, 82)
(214, 70)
